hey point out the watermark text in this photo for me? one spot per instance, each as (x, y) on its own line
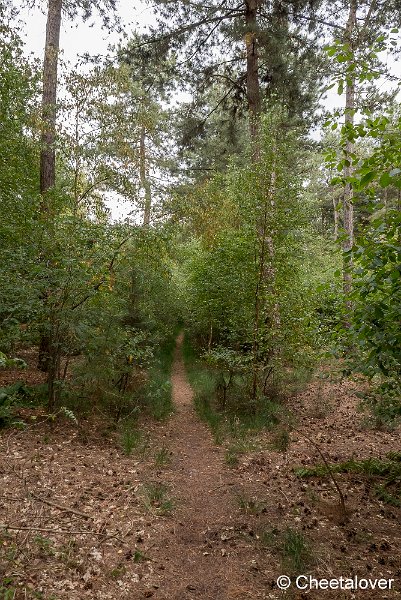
(307, 582)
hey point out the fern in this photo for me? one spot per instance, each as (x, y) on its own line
(69, 414)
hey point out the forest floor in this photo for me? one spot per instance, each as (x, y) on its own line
(179, 520)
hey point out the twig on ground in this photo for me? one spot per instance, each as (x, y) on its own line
(57, 531)
(60, 507)
(286, 497)
(331, 475)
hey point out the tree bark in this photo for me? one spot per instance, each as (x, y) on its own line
(47, 360)
(145, 185)
(252, 75)
(336, 218)
(49, 98)
(265, 286)
(348, 207)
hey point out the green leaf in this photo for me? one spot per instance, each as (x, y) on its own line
(385, 180)
(367, 178)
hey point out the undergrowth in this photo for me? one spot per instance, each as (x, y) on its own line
(132, 439)
(146, 390)
(388, 470)
(384, 405)
(158, 390)
(15, 396)
(237, 420)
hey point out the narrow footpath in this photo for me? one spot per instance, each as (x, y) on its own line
(207, 549)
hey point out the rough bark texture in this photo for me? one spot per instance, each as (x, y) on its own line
(48, 155)
(47, 361)
(265, 318)
(336, 218)
(348, 208)
(144, 179)
(252, 74)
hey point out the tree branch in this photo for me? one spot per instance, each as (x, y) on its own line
(103, 279)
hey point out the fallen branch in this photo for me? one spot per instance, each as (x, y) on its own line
(331, 475)
(60, 507)
(57, 531)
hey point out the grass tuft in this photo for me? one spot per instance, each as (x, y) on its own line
(162, 457)
(132, 439)
(156, 497)
(292, 546)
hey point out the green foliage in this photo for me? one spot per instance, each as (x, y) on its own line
(157, 392)
(292, 546)
(7, 592)
(11, 398)
(131, 437)
(204, 384)
(246, 276)
(89, 287)
(231, 457)
(113, 330)
(370, 466)
(158, 395)
(7, 363)
(45, 545)
(281, 440)
(227, 363)
(388, 469)
(384, 403)
(19, 183)
(377, 276)
(377, 296)
(373, 334)
(69, 414)
(236, 421)
(296, 551)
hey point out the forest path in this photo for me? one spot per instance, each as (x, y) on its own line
(207, 551)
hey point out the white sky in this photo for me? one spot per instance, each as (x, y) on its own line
(78, 38)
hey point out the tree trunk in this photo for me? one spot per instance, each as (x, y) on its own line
(348, 208)
(263, 319)
(48, 354)
(252, 75)
(49, 98)
(336, 219)
(145, 185)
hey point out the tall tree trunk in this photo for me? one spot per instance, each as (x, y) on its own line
(252, 75)
(265, 318)
(348, 208)
(254, 107)
(48, 348)
(49, 98)
(336, 218)
(143, 175)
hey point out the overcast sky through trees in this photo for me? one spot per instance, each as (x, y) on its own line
(79, 38)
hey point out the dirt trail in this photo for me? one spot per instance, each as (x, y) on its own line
(206, 551)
